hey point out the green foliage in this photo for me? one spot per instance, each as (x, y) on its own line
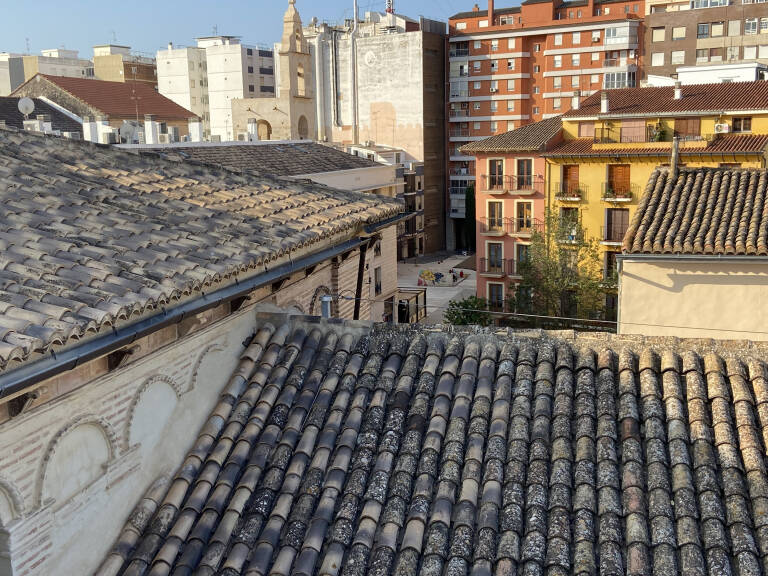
(471, 310)
(563, 275)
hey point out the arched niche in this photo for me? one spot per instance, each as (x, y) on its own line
(152, 408)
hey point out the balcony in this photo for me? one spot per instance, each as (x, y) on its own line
(463, 171)
(570, 192)
(458, 202)
(524, 226)
(618, 193)
(619, 62)
(493, 226)
(570, 234)
(459, 132)
(614, 40)
(498, 184)
(629, 135)
(497, 267)
(613, 235)
(458, 52)
(463, 113)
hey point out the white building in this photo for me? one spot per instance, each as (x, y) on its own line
(182, 75)
(11, 72)
(206, 78)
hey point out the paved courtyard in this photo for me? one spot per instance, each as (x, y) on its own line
(437, 296)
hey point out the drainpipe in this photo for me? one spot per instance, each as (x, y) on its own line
(360, 273)
(353, 76)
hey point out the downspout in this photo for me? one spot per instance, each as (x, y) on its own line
(360, 273)
(353, 77)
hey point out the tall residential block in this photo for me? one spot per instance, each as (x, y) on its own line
(512, 66)
(183, 77)
(115, 63)
(702, 33)
(381, 81)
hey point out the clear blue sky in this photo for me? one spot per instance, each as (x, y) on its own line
(149, 25)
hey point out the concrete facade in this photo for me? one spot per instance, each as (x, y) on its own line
(183, 77)
(11, 72)
(62, 506)
(118, 64)
(57, 62)
(695, 298)
(386, 86)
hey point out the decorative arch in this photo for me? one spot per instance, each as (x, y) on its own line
(301, 86)
(92, 454)
(157, 408)
(264, 130)
(211, 348)
(303, 128)
(315, 304)
(11, 502)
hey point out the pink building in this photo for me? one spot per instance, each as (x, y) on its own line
(509, 202)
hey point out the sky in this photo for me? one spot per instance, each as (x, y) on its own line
(148, 26)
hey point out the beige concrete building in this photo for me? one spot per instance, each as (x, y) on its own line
(291, 114)
(115, 63)
(691, 272)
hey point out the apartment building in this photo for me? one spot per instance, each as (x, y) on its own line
(11, 72)
(513, 66)
(115, 63)
(702, 33)
(207, 77)
(381, 82)
(15, 69)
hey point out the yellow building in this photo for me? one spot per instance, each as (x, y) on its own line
(614, 140)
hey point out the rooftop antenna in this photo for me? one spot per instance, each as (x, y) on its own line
(215, 29)
(29, 50)
(114, 36)
(390, 6)
(26, 107)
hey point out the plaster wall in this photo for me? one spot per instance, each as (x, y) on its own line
(687, 299)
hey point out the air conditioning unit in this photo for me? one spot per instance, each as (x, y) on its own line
(596, 37)
(494, 90)
(242, 137)
(163, 138)
(722, 128)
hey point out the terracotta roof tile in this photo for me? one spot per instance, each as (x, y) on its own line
(531, 137)
(92, 236)
(702, 211)
(119, 98)
(735, 96)
(722, 144)
(400, 451)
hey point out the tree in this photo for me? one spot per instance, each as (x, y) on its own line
(563, 273)
(471, 310)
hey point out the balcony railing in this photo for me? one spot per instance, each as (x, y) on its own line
(629, 135)
(500, 183)
(459, 132)
(497, 267)
(570, 192)
(463, 171)
(458, 52)
(524, 225)
(460, 93)
(462, 113)
(618, 62)
(613, 234)
(493, 226)
(612, 40)
(613, 192)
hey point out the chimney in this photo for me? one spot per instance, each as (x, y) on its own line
(90, 132)
(604, 102)
(195, 130)
(490, 12)
(170, 45)
(678, 90)
(674, 161)
(476, 8)
(102, 128)
(576, 102)
(151, 130)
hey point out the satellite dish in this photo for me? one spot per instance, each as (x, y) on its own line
(26, 106)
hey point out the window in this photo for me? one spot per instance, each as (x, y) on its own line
(750, 52)
(556, 103)
(495, 106)
(619, 80)
(595, 35)
(494, 45)
(594, 78)
(575, 59)
(536, 69)
(251, 88)
(678, 33)
(558, 39)
(558, 61)
(715, 54)
(616, 224)
(461, 26)
(618, 180)
(586, 129)
(717, 29)
(734, 28)
(476, 65)
(494, 127)
(688, 128)
(511, 64)
(478, 44)
(595, 56)
(511, 85)
(557, 82)
(521, 252)
(762, 51)
(495, 296)
(535, 109)
(476, 126)
(702, 30)
(510, 126)
(536, 90)
(510, 105)
(607, 11)
(575, 81)
(576, 38)
(476, 106)
(494, 85)
(657, 59)
(377, 280)
(478, 85)
(494, 65)
(678, 57)
(763, 25)
(750, 26)
(742, 124)
(495, 207)
(482, 24)
(524, 215)
(537, 47)
(702, 55)
(511, 43)
(250, 69)
(657, 34)
(732, 53)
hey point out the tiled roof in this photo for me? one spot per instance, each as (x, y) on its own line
(397, 453)
(9, 111)
(277, 158)
(725, 144)
(735, 96)
(120, 99)
(702, 211)
(531, 137)
(92, 236)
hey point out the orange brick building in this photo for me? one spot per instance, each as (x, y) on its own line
(512, 66)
